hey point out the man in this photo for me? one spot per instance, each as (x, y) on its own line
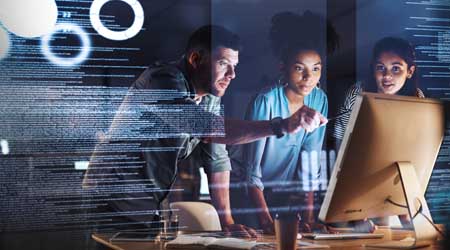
(197, 81)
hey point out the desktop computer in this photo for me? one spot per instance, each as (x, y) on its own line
(385, 163)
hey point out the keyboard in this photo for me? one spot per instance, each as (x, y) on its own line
(341, 236)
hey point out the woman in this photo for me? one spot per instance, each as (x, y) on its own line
(392, 71)
(274, 168)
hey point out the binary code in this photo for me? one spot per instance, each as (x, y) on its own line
(60, 96)
(47, 192)
(438, 192)
(428, 30)
(81, 113)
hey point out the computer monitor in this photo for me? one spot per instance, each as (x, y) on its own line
(385, 161)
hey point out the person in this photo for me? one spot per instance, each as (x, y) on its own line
(392, 72)
(196, 83)
(266, 170)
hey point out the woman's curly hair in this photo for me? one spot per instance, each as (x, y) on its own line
(291, 33)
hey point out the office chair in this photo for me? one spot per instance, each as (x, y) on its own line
(196, 216)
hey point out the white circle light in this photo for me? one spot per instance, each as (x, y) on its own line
(67, 62)
(4, 43)
(4, 147)
(117, 35)
(27, 18)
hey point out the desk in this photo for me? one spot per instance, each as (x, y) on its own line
(334, 244)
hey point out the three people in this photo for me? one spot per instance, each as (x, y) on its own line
(283, 128)
(143, 178)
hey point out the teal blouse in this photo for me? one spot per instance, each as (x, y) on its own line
(291, 159)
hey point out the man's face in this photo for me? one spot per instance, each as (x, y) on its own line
(220, 70)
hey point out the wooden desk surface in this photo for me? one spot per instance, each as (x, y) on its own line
(333, 244)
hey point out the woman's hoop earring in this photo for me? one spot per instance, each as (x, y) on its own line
(281, 80)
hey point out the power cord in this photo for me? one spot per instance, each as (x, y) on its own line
(419, 211)
(339, 115)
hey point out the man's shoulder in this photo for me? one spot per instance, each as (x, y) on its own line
(211, 99)
(162, 76)
(212, 103)
(169, 68)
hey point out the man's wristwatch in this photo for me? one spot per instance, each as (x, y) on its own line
(275, 124)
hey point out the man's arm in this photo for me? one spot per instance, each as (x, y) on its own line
(220, 198)
(242, 131)
(264, 217)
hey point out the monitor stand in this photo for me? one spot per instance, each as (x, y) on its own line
(424, 232)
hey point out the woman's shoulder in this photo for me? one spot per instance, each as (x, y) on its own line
(271, 90)
(316, 99)
(354, 90)
(350, 95)
(269, 93)
(318, 94)
(419, 93)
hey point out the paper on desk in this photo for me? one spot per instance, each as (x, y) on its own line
(198, 242)
(234, 243)
(309, 245)
(189, 242)
(212, 243)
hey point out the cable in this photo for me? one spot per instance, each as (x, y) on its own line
(420, 210)
(435, 227)
(395, 203)
(339, 115)
(403, 206)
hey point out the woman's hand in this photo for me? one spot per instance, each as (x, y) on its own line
(309, 224)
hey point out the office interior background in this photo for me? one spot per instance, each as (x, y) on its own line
(59, 90)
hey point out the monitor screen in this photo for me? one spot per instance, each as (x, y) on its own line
(382, 131)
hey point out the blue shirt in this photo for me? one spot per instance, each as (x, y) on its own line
(275, 162)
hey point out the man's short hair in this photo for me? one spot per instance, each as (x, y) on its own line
(210, 37)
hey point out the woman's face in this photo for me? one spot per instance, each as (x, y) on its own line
(303, 72)
(391, 73)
